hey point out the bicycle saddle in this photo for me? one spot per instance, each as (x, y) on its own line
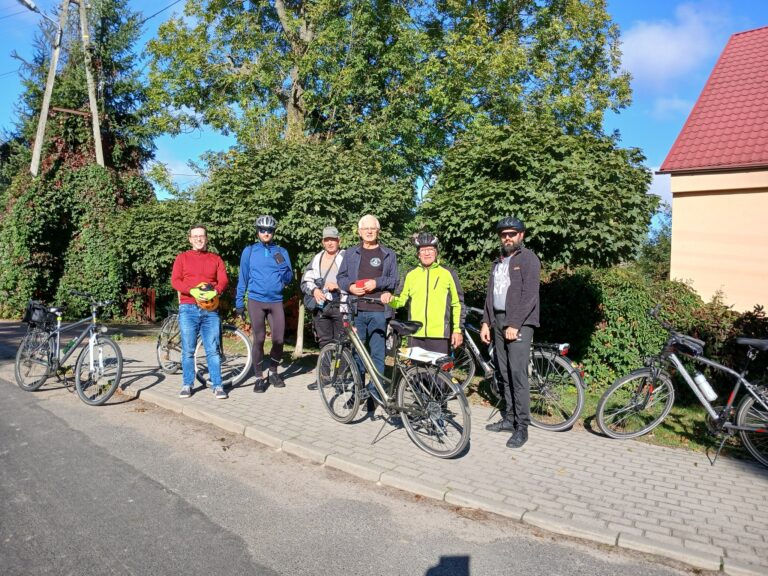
(405, 328)
(758, 343)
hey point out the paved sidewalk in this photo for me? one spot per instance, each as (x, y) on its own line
(629, 494)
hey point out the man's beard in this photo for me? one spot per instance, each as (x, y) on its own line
(507, 249)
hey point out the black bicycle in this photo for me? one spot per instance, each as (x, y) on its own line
(557, 386)
(99, 364)
(638, 402)
(433, 409)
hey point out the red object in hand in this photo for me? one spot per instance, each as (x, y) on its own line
(360, 283)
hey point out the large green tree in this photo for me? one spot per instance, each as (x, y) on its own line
(398, 75)
(582, 197)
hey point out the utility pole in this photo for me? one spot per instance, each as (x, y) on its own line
(37, 149)
(38, 146)
(91, 86)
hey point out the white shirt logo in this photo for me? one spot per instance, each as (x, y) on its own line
(375, 262)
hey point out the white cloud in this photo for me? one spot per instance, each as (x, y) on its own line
(656, 52)
(673, 107)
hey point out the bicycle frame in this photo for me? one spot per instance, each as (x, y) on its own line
(675, 361)
(58, 360)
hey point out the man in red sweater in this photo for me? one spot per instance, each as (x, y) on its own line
(199, 316)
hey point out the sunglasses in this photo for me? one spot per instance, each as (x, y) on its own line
(266, 231)
(508, 234)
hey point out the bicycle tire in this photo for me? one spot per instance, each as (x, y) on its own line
(168, 347)
(750, 413)
(464, 367)
(235, 353)
(339, 383)
(557, 393)
(33, 360)
(434, 411)
(630, 400)
(96, 386)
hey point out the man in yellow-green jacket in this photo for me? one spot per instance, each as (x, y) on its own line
(435, 297)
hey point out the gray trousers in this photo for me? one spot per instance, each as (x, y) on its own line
(512, 361)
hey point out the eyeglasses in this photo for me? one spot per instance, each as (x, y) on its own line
(197, 236)
(509, 234)
(368, 229)
(427, 249)
(266, 231)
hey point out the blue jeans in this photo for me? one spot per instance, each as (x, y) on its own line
(193, 321)
(372, 330)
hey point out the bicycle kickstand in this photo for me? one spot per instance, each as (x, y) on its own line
(717, 453)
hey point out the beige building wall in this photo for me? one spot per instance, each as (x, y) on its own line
(720, 235)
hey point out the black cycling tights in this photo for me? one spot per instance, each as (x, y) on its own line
(259, 313)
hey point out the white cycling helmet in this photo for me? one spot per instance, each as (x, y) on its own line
(267, 222)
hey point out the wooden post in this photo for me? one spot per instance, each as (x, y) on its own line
(91, 86)
(37, 149)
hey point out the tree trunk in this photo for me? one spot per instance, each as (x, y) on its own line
(298, 352)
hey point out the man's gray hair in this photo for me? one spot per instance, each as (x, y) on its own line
(369, 217)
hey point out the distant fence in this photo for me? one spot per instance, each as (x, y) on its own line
(141, 304)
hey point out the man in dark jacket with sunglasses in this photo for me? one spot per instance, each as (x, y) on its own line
(510, 315)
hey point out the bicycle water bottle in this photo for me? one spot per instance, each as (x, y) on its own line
(704, 386)
(70, 345)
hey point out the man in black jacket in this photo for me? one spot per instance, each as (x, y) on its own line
(512, 311)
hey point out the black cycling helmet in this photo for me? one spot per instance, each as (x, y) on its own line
(510, 223)
(426, 239)
(266, 222)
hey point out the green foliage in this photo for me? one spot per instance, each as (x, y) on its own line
(404, 76)
(306, 187)
(654, 258)
(582, 198)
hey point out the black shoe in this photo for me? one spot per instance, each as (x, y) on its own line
(312, 386)
(276, 380)
(519, 438)
(503, 425)
(260, 386)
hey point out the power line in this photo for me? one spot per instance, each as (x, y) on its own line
(4, 74)
(14, 14)
(159, 11)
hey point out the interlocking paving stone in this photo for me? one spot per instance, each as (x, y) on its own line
(649, 497)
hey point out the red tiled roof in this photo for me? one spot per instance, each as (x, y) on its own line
(728, 126)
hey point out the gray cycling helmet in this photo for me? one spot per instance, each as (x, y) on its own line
(266, 222)
(426, 239)
(510, 223)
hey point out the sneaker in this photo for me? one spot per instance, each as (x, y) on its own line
(503, 425)
(312, 386)
(519, 438)
(260, 386)
(186, 392)
(220, 393)
(276, 380)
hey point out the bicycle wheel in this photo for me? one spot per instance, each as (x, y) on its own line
(557, 396)
(97, 375)
(435, 412)
(463, 367)
(339, 382)
(235, 355)
(33, 360)
(169, 345)
(635, 404)
(752, 414)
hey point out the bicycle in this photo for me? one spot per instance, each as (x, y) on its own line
(234, 351)
(638, 402)
(557, 387)
(433, 409)
(99, 364)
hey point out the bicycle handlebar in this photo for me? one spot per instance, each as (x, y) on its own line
(88, 296)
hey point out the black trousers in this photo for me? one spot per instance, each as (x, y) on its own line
(327, 323)
(512, 360)
(441, 345)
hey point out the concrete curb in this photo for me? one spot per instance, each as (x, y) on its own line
(694, 558)
(736, 568)
(363, 470)
(570, 527)
(469, 500)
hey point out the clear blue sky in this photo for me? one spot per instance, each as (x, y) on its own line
(669, 47)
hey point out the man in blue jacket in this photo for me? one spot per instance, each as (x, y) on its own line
(370, 269)
(265, 270)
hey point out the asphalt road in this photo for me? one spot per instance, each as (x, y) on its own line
(129, 488)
